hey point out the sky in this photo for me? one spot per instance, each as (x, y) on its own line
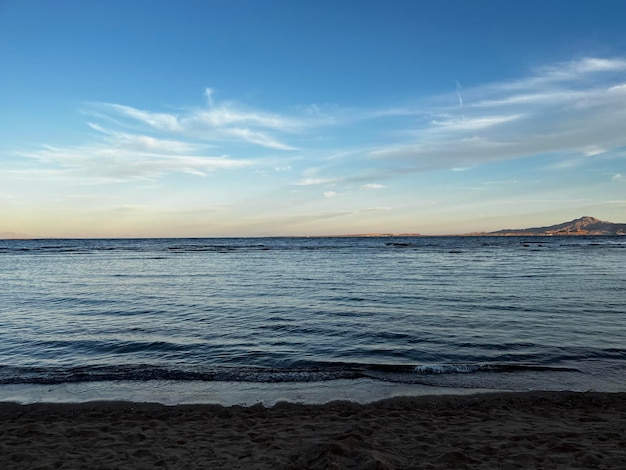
(151, 118)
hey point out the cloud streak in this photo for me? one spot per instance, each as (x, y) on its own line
(219, 122)
(574, 109)
(120, 156)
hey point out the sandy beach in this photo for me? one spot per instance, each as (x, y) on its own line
(506, 430)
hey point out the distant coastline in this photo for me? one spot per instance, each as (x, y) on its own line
(14, 236)
(584, 226)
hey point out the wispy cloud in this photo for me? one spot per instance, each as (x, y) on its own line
(575, 108)
(316, 181)
(119, 156)
(219, 122)
(580, 68)
(455, 124)
(258, 138)
(143, 142)
(159, 121)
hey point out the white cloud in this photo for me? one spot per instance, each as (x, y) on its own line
(228, 114)
(217, 122)
(581, 67)
(572, 109)
(470, 124)
(279, 169)
(208, 94)
(329, 194)
(592, 151)
(114, 162)
(316, 181)
(159, 121)
(135, 143)
(259, 138)
(144, 142)
(570, 71)
(551, 97)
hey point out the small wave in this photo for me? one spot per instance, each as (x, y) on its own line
(146, 372)
(319, 373)
(446, 369)
(431, 369)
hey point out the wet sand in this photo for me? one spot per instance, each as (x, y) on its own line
(504, 430)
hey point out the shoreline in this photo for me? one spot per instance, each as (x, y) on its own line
(171, 393)
(247, 393)
(487, 430)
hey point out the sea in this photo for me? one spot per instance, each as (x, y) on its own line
(249, 320)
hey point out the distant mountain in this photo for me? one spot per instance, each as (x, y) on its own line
(583, 226)
(13, 236)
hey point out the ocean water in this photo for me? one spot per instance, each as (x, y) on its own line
(447, 313)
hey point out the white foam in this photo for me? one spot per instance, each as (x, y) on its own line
(222, 393)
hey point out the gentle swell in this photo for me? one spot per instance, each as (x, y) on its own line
(146, 372)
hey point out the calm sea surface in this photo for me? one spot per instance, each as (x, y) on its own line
(451, 312)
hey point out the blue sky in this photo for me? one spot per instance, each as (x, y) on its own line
(253, 118)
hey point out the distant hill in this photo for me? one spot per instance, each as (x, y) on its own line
(376, 235)
(13, 236)
(583, 226)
